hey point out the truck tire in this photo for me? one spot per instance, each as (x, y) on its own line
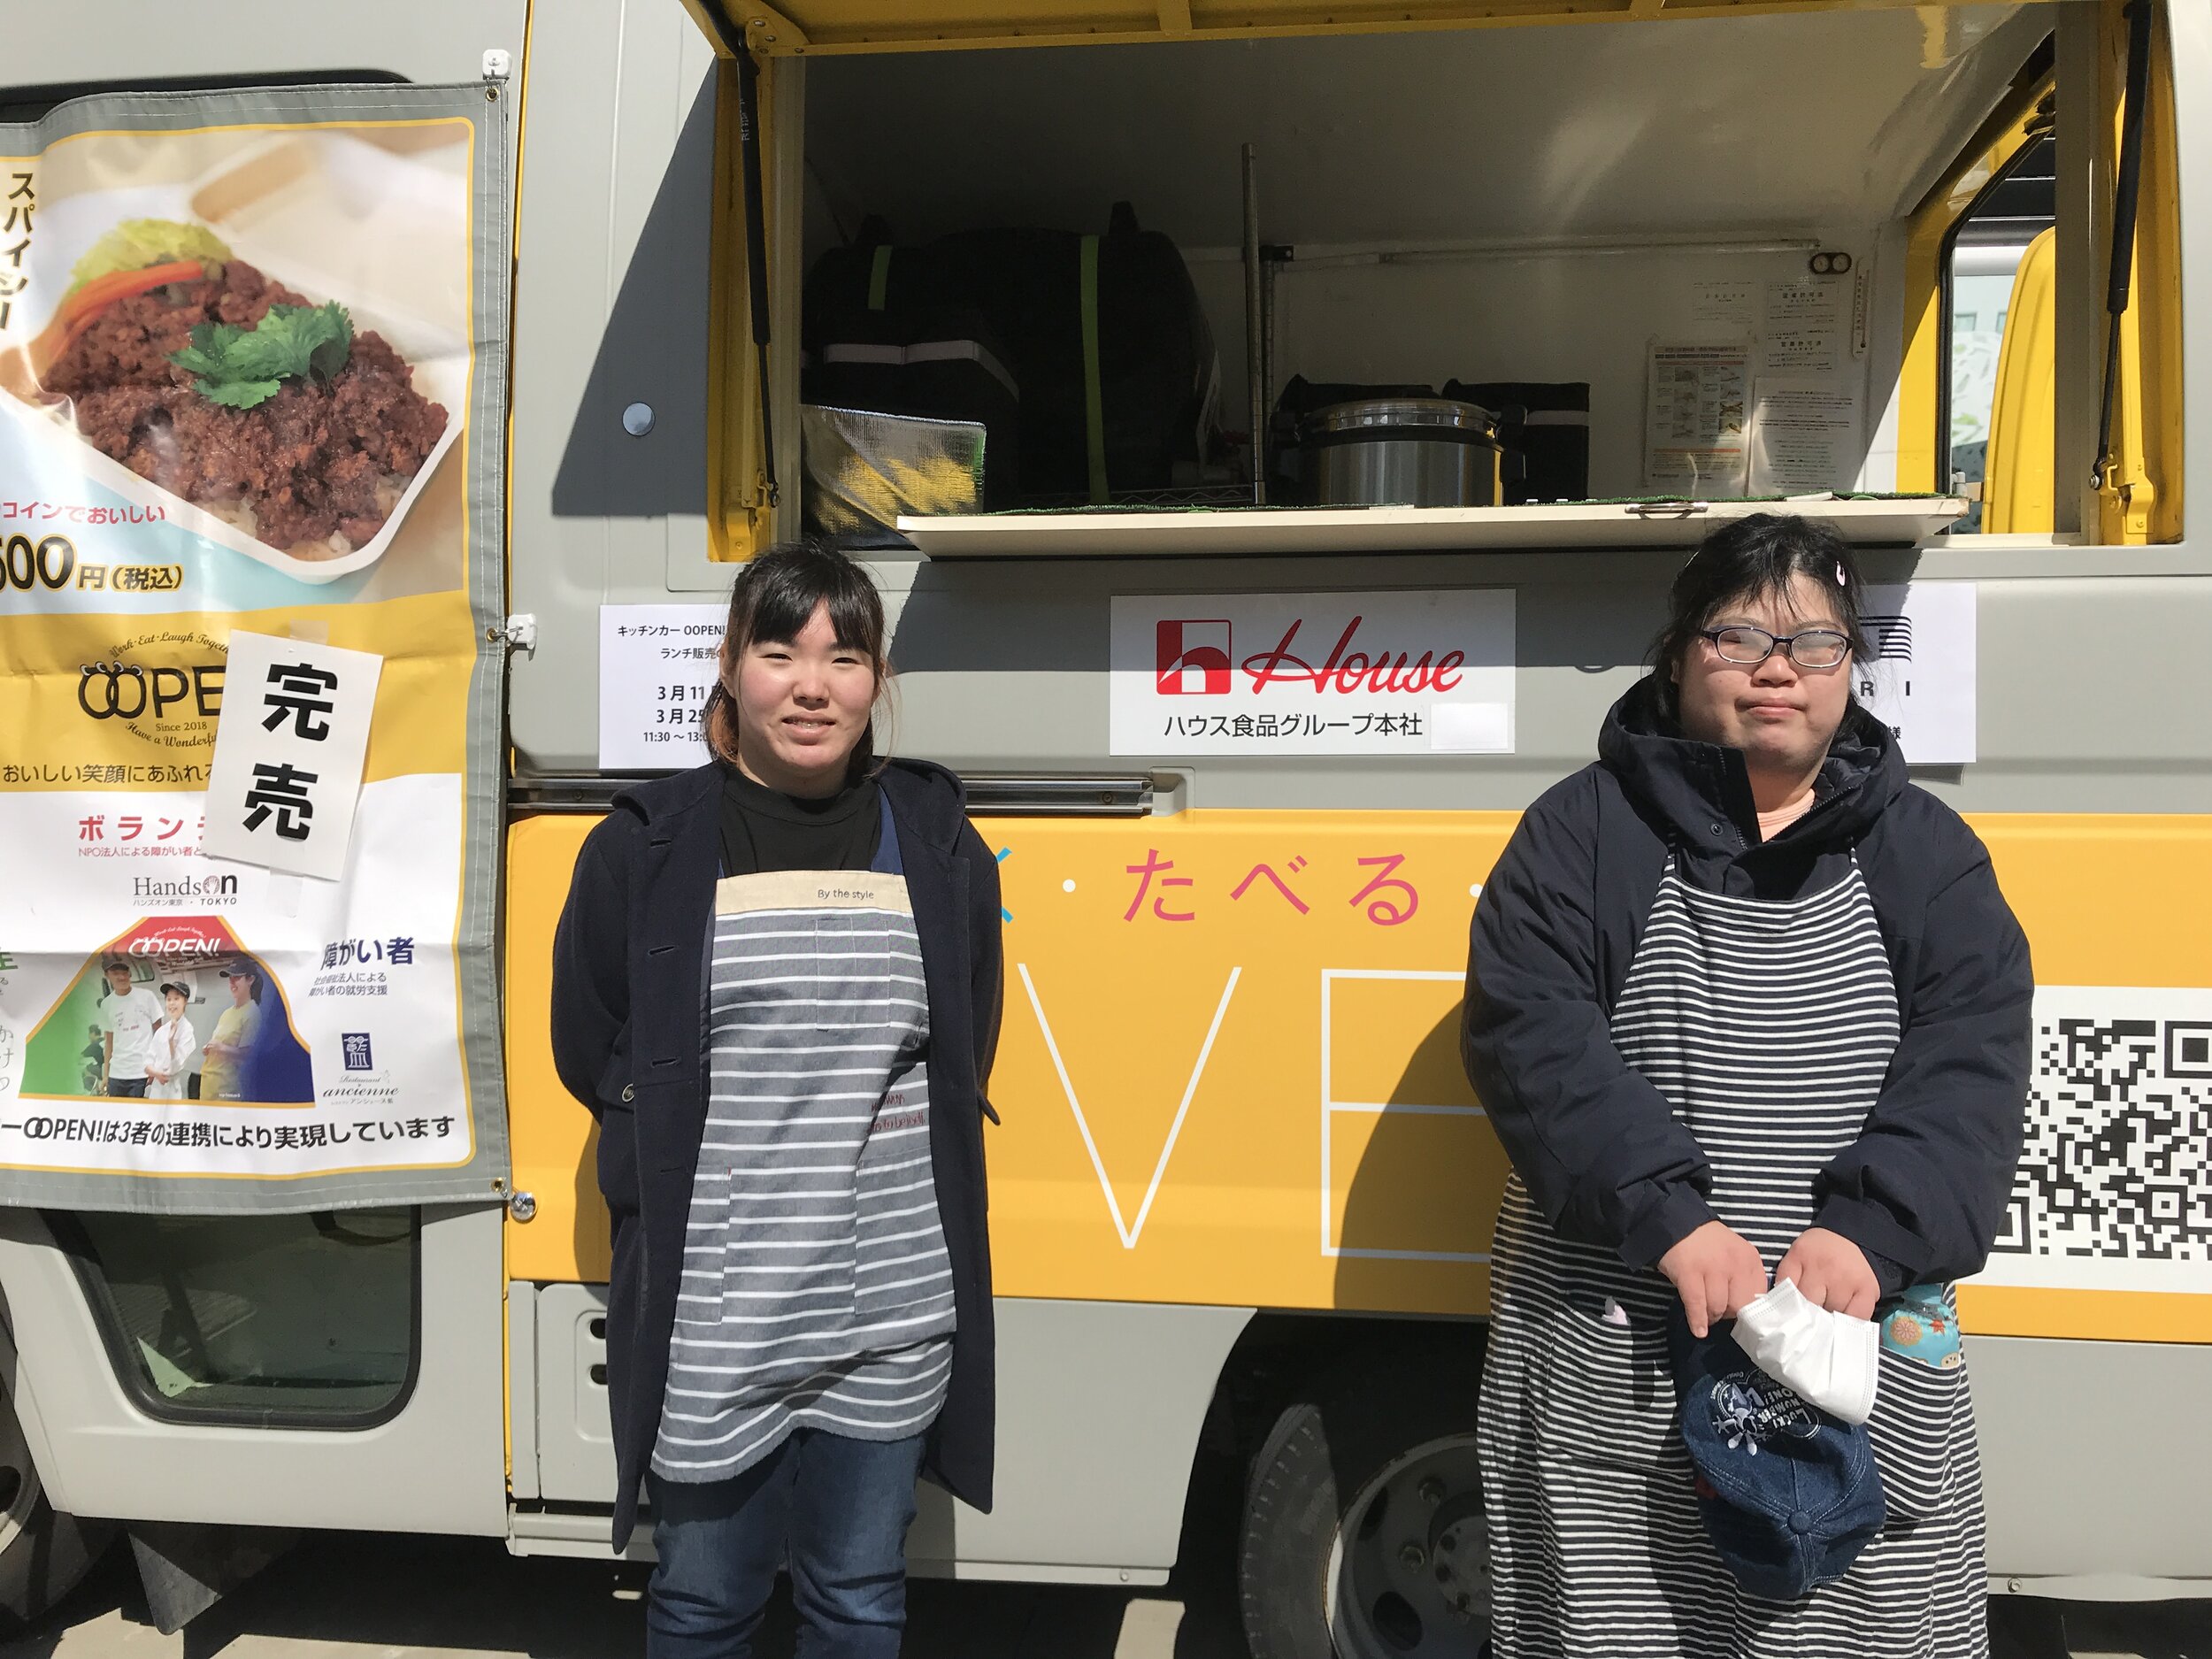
(43, 1553)
(1363, 1534)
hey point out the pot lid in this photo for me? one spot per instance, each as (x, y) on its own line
(1383, 415)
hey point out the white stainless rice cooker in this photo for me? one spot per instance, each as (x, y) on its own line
(1404, 452)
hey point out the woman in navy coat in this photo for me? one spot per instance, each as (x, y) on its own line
(776, 986)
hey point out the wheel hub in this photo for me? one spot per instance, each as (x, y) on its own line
(1408, 1575)
(1459, 1554)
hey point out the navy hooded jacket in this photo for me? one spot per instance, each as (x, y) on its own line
(629, 1041)
(1923, 1191)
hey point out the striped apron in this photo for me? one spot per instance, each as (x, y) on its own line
(1769, 1027)
(817, 1291)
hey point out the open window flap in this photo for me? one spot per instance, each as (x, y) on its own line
(1862, 520)
(819, 27)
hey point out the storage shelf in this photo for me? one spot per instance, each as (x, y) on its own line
(1248, 532)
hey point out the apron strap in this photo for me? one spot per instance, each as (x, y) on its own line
(887, 861)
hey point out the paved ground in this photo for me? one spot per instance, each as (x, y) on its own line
(373, 1596)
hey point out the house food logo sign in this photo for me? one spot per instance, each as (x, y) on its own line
(1192, 660)
(1358, 673)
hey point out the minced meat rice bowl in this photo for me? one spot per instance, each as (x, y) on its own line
(314, 469)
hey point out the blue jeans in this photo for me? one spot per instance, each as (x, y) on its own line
(835, 1509)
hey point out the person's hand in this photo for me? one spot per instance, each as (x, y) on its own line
(1716, 1269)
(1832, 1272)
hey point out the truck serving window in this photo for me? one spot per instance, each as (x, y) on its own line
(1986, 265)
(275, 1321)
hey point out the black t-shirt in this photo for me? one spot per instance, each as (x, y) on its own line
(765, 829)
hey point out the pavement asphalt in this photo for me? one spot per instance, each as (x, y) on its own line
(386, 1596)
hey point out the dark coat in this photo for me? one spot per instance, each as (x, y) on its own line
(1922, 1190)
(629, 1041)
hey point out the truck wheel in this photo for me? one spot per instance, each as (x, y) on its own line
(1364, 1535)
(43, 1553)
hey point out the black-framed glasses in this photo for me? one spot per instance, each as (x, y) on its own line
(1811, 648)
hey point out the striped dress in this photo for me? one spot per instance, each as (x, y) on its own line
(817, 1291)
(1769, 1027)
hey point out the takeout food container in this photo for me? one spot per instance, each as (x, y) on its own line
(382, 231)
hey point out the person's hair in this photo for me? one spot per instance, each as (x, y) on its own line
(1757, 557)
(773, 599)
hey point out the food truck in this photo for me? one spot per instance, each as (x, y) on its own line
(1273, 425)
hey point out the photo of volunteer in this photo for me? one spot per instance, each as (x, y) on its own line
(129, 1015)
(230, 1046)
(1743, 1006)
(175, 1043)
(799, 1317)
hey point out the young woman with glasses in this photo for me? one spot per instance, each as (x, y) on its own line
(1743, 1004)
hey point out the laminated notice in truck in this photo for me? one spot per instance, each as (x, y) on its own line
(1804, 326)
(1804, 436)
(1257, 674)
(657, 665)
(1694, 417)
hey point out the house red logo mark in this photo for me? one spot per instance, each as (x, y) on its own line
(1192, 658)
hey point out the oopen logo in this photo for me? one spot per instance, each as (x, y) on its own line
(1192, 658)
(108, 691)
(172, 704)
(179, 940)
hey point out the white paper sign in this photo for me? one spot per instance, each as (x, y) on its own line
(1804, 436)
(1921, 680)
(289, 746)
(1373, 673)
(1727, 302)
(656, 663)
(1804, 326)
(1695, 415)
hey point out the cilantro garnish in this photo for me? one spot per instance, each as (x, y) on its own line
(240, 367)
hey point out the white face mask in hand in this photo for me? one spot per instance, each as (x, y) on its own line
(1829, 1360)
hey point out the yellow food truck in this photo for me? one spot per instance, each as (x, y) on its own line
(1337, 387)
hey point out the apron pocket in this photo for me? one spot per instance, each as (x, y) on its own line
(1605, 1395)
(1923, 1414)
(903, 1268)
(852, 957)
(699, 1291)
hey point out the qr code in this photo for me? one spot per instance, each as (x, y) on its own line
(2118, 1163)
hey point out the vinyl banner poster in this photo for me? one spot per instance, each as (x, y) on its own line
(252, 372)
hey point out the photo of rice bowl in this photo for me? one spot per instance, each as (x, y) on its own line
(272, 356)
(202, 375)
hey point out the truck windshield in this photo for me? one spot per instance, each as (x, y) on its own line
(306, 1321)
